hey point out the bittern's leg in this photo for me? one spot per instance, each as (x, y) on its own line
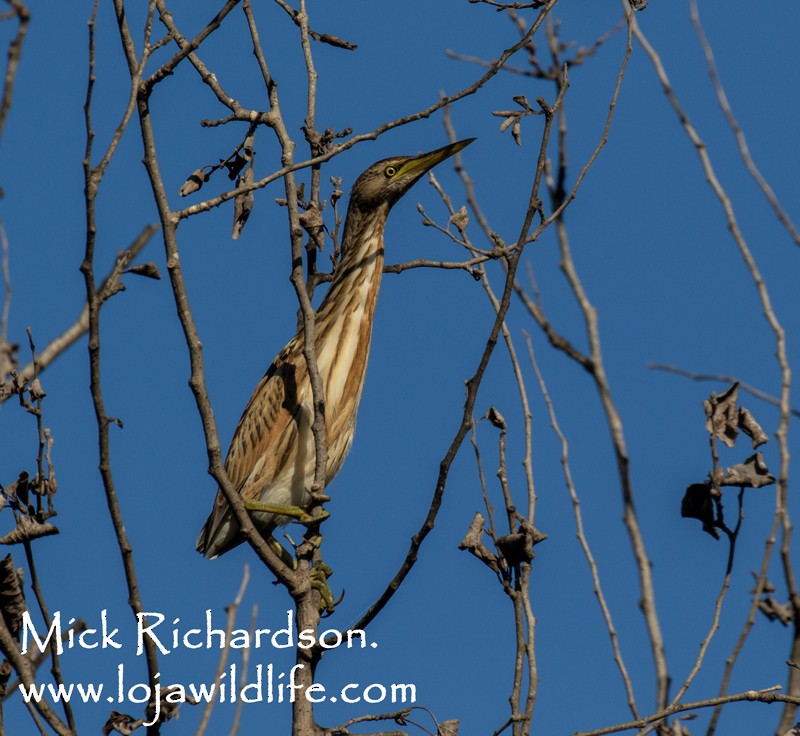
(286, 557)
(319, 575)
(295, 512)
(320, 572)
(319, 581)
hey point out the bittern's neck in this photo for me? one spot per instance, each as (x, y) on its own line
(358, 274)
(344, 319)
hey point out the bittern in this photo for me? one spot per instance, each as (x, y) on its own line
(271, 459)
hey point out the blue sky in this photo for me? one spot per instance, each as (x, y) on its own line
(650, 244)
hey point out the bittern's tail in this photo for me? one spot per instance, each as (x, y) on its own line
(219, 534)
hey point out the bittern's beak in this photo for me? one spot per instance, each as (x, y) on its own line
(418, 165)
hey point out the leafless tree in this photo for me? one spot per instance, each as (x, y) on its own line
(159, 52)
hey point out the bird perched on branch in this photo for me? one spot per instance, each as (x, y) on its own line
(271, 459)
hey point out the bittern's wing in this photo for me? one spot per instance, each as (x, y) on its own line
(262, 447)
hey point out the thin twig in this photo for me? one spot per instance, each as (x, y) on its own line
(524, 619)
(320, 37)
(781, 511)
(230, 610)
(733, 123)
(55, 668)
(38, 593)
(715, 620)
(13, 56)
(482, 480)
(187, 49)
(27, 675)
(468, 265)
(473, 384)
(112, 284)
(767, 695)
(6, 287)
(721, 378)
(237, 716)
(12, 689)
(335, 150)
(92, 179)
(613, 418)
(169, 222)
(581, 533)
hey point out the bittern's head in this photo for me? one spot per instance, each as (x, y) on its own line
(383, 183)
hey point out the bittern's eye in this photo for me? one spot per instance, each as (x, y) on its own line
(390, 171)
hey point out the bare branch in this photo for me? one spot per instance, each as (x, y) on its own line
(473, 384)
(22, 14)
(733, 123)
(27, 676)
(112, 284)
(231, 611)
(767, 695)
(581, 532)
(721, 378)
(781, 512)
(380, 130)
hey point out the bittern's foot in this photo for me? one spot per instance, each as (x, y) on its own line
(295, 512)
(287, 557)
(319, 581)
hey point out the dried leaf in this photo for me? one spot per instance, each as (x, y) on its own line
(516, 131)
(35, 390)
(243, 204)
(508, 122)
(473, 542)
(752, 473)
(19, 488)
(12, 597)
(535, 535)
(28, 529)
(167, 710)
(697, 504)
(448, 728)
(751, 428)
(517, 547)
(335, 41)
(496, 418)
(148, 270)
(311, 221)
(775, 611)
(722, 418)
(234, 165)
(461, 218)
(121, 723)
(195, 180)
(768, 587)
(522, 101)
